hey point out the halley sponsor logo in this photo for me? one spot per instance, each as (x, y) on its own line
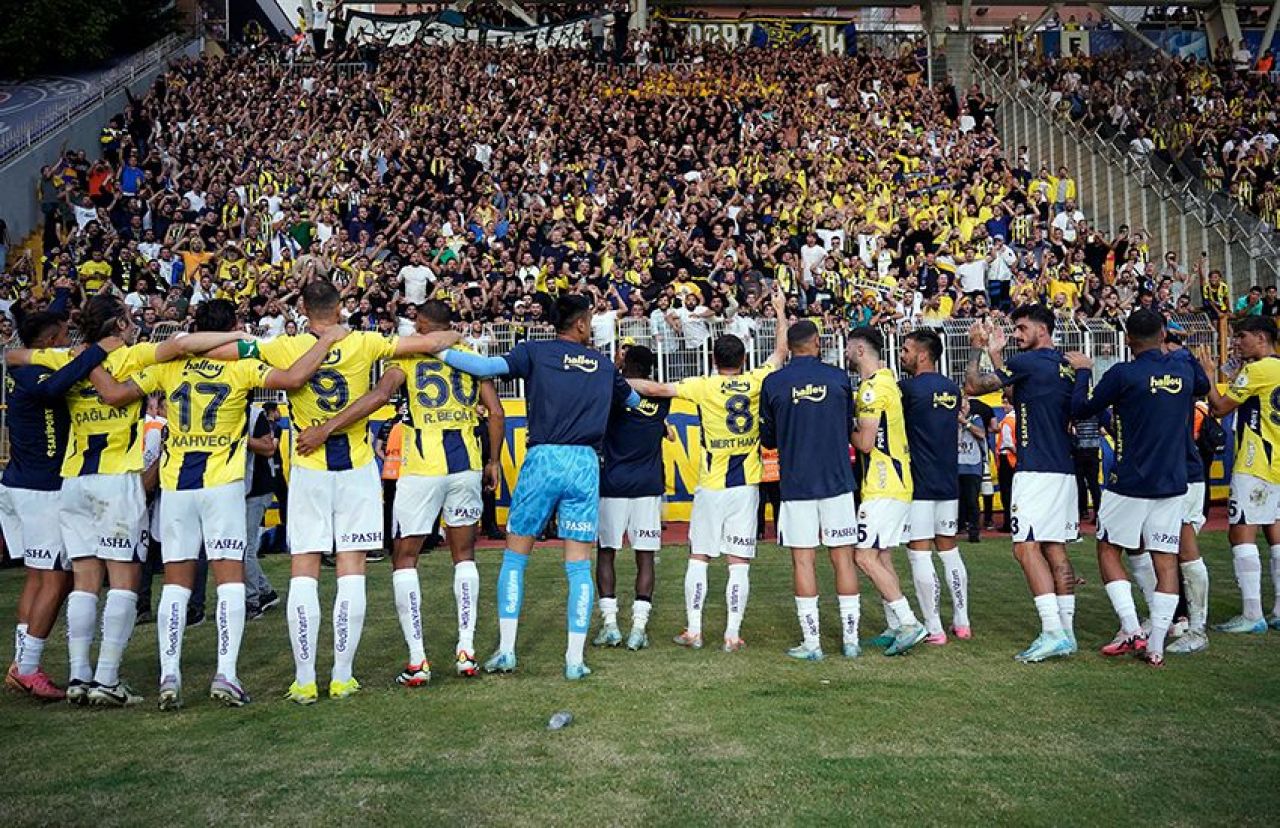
(944, 399)
(207, 368)
(735, 386)
(1168, 384)
(341, 625)
(582, 363)
(810, 393)
(648, 408)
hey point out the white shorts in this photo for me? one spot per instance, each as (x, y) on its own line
(31, 528)
(1254, 501)
(212, 517)
(929, 519)
(1193, 506)
(882, 523)
(1043, 508)
(831, 520)
(420, 500)
(724, 522)
(639, 518)
(335, 511)
(1153, 524)
(104, 516)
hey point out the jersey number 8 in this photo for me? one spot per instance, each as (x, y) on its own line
(739, 418)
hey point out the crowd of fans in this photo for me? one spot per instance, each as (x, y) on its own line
(1216, 120)
(496, 180)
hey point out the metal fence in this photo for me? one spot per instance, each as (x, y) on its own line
(27, 135)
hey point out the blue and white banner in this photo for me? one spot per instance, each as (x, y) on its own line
(450, 27)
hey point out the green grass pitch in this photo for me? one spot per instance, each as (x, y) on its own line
(957, 735)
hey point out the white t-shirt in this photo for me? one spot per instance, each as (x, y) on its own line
(416, 280)
(84, 215)
(972, 276)
(604, 327)
(695, 328)
(662, 330)
(811, 256)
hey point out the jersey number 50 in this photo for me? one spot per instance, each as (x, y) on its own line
(433, 388)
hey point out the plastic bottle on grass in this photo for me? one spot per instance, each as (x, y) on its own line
(560, 720)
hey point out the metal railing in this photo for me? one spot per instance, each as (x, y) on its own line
(26, 135)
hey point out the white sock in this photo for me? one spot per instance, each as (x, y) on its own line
(1144, 575)
(119, 612)
(1163, 605)
(1196, 576)
(466, 592)
(408, 591)
(957, 577)
(1067, 613)
(695, 595)
(1050, 618)
(1120, 592)
(891, 621)
(231, 612)
(304, 627)
(348, 623)
(928, 591)
(19, 633)
(609, 611)
(1275, 577)
(171, 626)
(850, 614)
(902, 611)
(736, 592)
(807, 613)
(29, 659)
(82, 617)
(640, 614)
(1248, 568)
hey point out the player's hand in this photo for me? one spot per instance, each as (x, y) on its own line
(492, 476)
(333, 334)
(996, 339)
(1078, 361)
(978, 335)
(779, 301)
(311, 439)
(671, 435)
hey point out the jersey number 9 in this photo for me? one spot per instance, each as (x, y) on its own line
(330, 388)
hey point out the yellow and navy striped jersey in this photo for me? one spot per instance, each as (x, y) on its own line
(886, 469)
(104, 439)
(728, 411)
(441, 433)
(208, 404)
(342, 379)
(1257, 390)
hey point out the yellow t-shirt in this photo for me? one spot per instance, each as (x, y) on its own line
(886, 469)
(208, 404)
(728, 407)
(343, 378)
(1257, 390)
(104, 439)
(95, 275)
(440, 437)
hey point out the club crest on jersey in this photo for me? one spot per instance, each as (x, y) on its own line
(736, 386)
(1167, 384)
(810, 393)
(648, 408)
(582, 362)
(945, 399)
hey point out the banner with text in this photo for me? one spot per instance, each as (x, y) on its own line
(447, 28)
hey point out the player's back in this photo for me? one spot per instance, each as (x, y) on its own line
(1042, 383)
(1258, 419)
(104, 439)
(440, 437)
(342, 378)
(727, 414)
(807, 409)
(208, 405)
(569, 389)
(37, 432)
(931, 406)
(633, 450)
(886, 469)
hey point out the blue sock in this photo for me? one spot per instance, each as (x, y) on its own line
(511, 584)
(581, 595)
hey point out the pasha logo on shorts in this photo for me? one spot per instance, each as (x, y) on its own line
(1167, 384)
(736, 540)
(361, 537)
(577, 526)
(225, 545)
(648, 533)
(849, 532)
(39, 554)
(810, 393)
(115, 543)
(582, 363)
(466, 516)
(945, 399)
